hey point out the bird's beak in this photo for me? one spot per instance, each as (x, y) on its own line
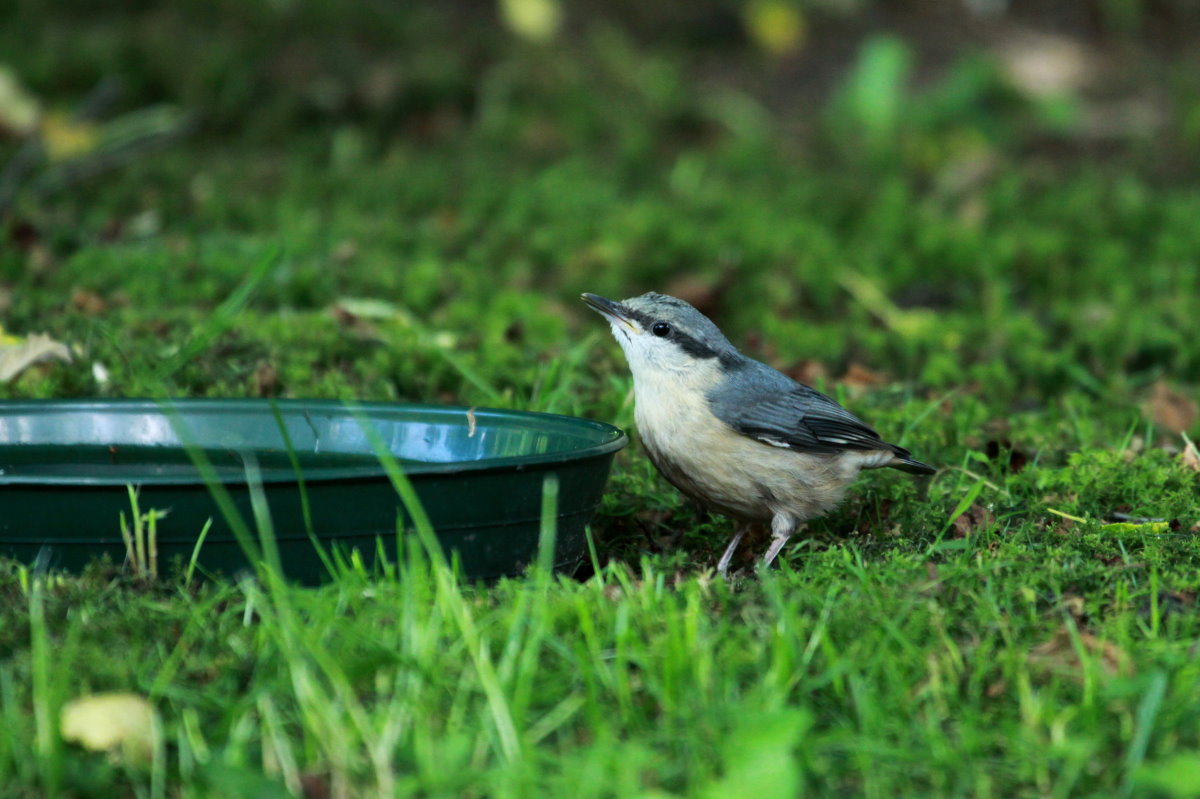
(614, 312)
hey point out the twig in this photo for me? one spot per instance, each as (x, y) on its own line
(1117, 516)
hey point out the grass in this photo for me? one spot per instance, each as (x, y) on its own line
(1007, 311)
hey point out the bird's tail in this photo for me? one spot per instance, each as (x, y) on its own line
(905, 462)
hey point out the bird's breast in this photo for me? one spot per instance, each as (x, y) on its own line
(725, 470)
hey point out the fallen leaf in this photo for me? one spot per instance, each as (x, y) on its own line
(315, 786)
(776, 26)
(121, 723)
(17, 355)
(1074, 605)
(88, 302)
(1046, 64)
(1190, 457)
(19, 110)
(535, 20)
(807, 371)
(859, 376)
(703, 294)
(65, 137)
(974, 519)
(1170, 409)
(1060, 654)
(371, 308)
(266, 380)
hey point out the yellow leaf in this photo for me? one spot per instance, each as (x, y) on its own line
(106, 722)
(536, 20)
(776, 26)
(17, 354)
(66, 138)
(19, 109)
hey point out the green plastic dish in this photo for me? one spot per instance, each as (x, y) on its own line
(65, 467)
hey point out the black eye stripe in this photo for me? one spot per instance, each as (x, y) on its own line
(692, 346)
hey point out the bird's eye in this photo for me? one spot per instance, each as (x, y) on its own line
(661, 329)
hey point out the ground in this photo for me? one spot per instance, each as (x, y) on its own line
(989, 275)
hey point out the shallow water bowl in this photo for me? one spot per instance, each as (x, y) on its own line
(65, 469)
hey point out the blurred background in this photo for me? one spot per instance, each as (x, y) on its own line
(939, 191)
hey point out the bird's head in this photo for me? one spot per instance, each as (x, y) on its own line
(660, 333)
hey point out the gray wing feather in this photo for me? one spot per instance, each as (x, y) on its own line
(764, 404)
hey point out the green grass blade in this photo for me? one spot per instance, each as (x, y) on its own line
(305, 507)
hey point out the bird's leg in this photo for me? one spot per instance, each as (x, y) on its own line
(782, 527)
(727, 555)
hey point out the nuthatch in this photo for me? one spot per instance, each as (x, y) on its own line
(731, 432)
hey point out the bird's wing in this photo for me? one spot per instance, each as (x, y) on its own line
(798, 417)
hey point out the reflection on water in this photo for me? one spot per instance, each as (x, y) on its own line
(136, 462)
(146, 442)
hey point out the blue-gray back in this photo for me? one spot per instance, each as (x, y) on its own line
(762, 403)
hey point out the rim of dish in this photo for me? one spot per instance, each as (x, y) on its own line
(613, 439)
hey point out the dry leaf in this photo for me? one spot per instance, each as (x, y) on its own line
(1059, 654)
(88, 302)
(1190, 457)
(972, 520)
(117, 722)
(703, 294)
(17, 355)
(266, 380)
(315, 786)
(807, 371)
(1170, 409)
(1074, 605)
(859, 376)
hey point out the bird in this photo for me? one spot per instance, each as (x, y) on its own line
(731, 432)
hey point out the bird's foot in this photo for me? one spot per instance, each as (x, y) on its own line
(727, 555)
(782, 528)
